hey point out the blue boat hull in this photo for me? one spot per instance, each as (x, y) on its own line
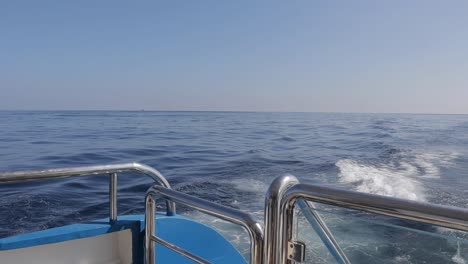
(186, 233)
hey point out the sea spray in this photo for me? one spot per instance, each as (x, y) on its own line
(457, 258)
(382, 180)
(399, 176)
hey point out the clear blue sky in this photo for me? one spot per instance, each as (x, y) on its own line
(344, 56)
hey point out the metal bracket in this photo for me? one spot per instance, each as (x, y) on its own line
(296, 251)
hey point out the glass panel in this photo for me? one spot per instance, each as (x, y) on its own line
(371, 238)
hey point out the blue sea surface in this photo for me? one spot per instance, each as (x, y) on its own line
(231, 158)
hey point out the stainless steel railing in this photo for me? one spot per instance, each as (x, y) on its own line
(252, 226)
(111, 170)
(274, 248)
(275, 245)
(285, 192)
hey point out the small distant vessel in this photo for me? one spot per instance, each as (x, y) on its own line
(166, 237)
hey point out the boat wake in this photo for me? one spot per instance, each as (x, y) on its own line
(457, 258)
(400, 176)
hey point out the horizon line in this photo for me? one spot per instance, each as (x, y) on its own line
(219, 111)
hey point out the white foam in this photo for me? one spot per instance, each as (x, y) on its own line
(380, 180)
(431, 162)
(457, 258)
(403, 259)
(399, 177)
(250, 185)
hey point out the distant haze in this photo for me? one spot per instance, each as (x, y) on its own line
(326, 56)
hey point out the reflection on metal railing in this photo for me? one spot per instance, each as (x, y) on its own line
(271, 246)
(111, 170)
(232, 215)
(275, 248)
(285, 192)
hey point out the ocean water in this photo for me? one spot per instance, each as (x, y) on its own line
(231, 158)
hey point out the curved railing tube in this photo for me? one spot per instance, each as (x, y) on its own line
(112, 170)
(285, 192)
(232, 215)
(275, 242)
(444, 216)
(272, 213)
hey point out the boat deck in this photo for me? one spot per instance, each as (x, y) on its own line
(120, 242)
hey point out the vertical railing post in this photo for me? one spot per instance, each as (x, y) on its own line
(112, 197)
(150, 229)
(273, 238)
(286, 231)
